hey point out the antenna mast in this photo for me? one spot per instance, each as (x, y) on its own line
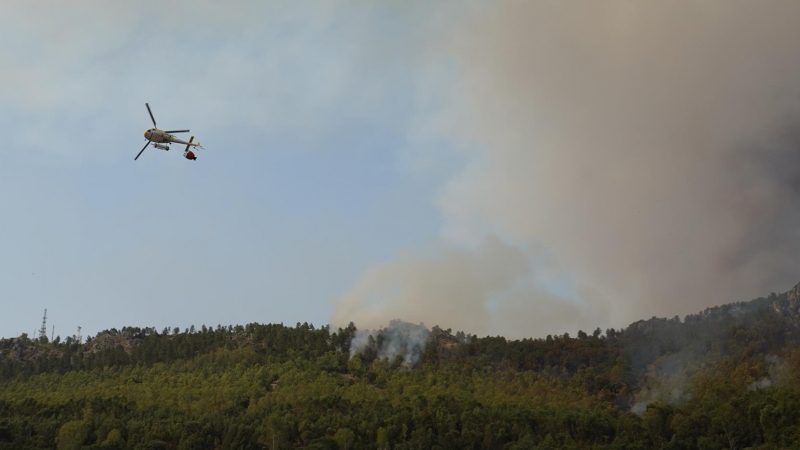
(79, 337)
(43, 330)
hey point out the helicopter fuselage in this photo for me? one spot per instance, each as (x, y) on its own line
(156, 135)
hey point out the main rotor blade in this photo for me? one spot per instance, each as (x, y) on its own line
(177, 131)
(151, 115)
(145, 146)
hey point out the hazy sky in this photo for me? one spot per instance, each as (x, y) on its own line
(516, 168)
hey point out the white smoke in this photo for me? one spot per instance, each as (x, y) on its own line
(760, 384)
(777, 373)
(402, 339)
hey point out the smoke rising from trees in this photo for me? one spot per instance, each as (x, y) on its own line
(402, 339)
(649, 150)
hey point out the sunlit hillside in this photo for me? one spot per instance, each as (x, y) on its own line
(728, 377)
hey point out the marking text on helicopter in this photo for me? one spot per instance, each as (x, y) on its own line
(161, 139)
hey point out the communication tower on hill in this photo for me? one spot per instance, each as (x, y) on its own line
(43, 330)
(79, 337)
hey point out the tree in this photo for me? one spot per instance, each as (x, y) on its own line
(114, 440)
(344, 437)
(656, 420)
(383, 439)
(72, 435)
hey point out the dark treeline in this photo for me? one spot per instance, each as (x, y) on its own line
(728, 377)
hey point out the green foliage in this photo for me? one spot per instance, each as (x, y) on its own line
(725, 378)
(72, 435)
(344, 438)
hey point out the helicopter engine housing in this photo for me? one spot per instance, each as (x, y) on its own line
(161, 146)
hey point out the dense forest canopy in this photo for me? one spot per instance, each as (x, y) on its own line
(728, 377)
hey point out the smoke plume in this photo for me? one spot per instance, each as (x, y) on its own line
(651, 148)
(402, 339)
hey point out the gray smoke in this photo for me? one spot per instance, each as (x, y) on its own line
(650, 147)
(667, 381)
(777, 370)
(760, 384)
(399, 339)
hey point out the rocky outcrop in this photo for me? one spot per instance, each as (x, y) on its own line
(788, 305)
(21, 349)
(794, 293)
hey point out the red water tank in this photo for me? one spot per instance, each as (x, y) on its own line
(190, 155)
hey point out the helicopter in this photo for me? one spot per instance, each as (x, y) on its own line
(161, 139)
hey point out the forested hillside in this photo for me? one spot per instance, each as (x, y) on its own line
(728, 377)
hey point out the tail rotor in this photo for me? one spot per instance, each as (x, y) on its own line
(190, 144)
